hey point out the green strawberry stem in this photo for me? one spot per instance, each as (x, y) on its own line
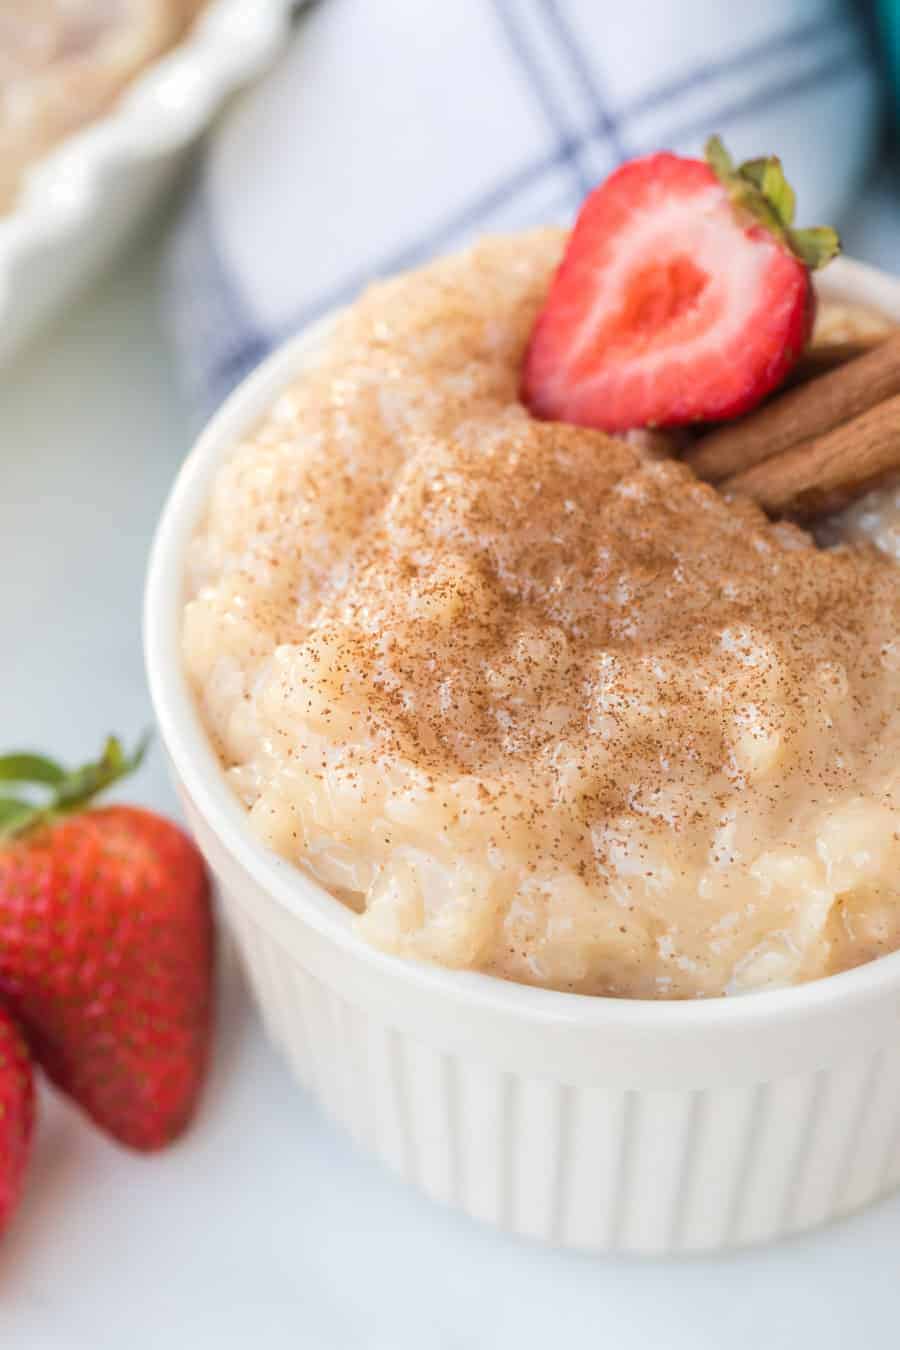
(64, 790)
(759, 189)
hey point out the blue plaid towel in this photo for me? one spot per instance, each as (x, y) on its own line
(392, 131)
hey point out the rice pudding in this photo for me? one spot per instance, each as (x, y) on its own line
(530, 699)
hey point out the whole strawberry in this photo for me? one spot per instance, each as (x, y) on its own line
(16, 1115)
(106, 947)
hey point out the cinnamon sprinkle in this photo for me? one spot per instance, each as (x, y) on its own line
(593, 691)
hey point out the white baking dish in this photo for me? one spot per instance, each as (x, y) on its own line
(80, 202)
(590, 1122)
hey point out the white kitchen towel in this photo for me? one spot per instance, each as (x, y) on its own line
(392, 130)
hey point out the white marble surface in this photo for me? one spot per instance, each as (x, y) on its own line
(263, 1227)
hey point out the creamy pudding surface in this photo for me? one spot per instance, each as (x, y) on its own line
(530, 700)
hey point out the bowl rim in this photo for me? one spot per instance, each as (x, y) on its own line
(198, 770)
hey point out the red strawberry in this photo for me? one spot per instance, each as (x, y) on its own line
(16, 1115)
(106, 947)
(684, 296)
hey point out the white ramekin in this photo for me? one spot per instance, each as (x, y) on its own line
(594, 1123)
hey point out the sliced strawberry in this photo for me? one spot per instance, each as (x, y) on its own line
(684, 296)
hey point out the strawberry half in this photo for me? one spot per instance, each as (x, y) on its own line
(684, 296)
(17, 1111)
(106, 947)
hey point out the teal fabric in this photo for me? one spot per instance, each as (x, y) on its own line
(889, 13)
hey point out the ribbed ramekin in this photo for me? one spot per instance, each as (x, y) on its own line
(605, 1124)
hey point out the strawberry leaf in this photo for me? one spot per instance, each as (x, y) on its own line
(79, 786)
(754, 171)
(69, 789)
(815, 246)
(16, 815)
(760, 193)
(767, 176)
(778, 191)
(718, 158)
(29, 768)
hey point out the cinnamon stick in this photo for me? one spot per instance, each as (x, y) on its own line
(827, 356)
(826, 472)
(800, 414)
